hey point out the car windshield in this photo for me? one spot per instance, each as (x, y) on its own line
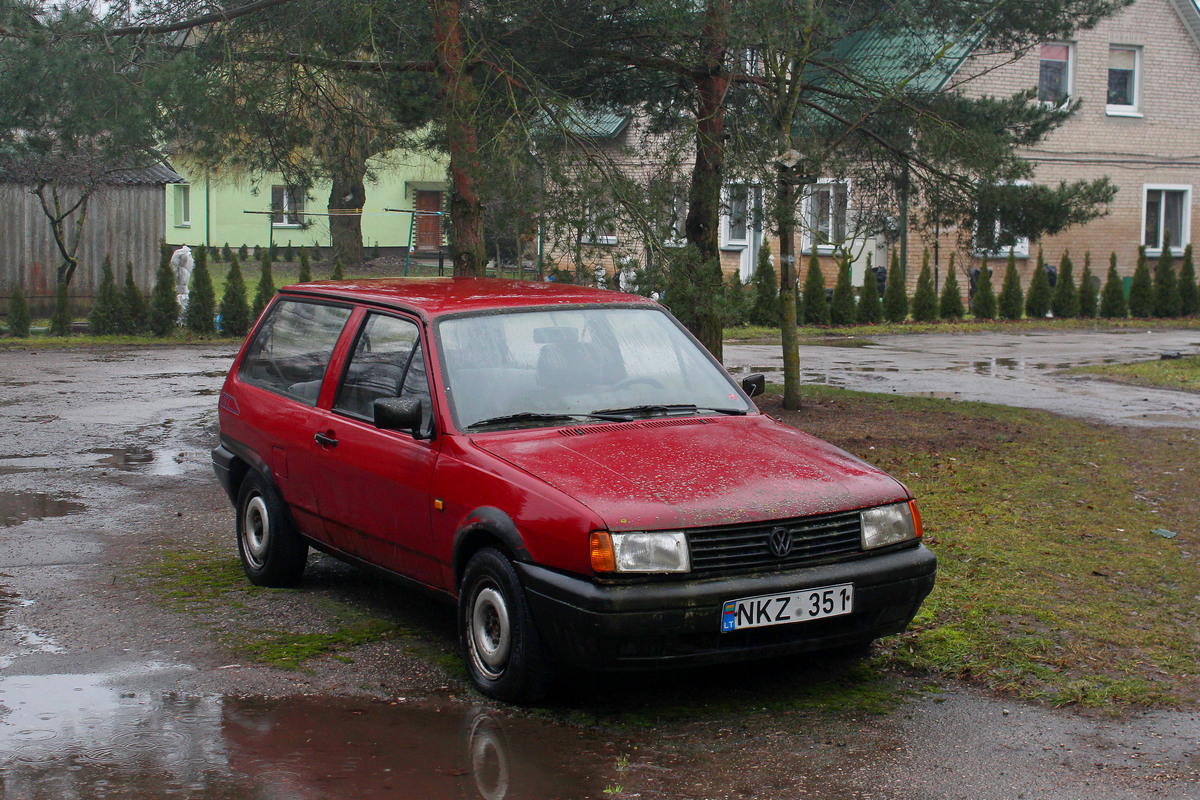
(563, 366)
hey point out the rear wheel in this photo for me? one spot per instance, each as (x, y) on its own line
(271, 550)
(500, 644)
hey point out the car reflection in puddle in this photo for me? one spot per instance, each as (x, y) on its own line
(75, 735)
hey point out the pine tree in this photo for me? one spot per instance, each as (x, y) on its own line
(1141, 290)
(337, 274)
(1089, 296)
(226, 253)
(983, 305)
(869, 309)
(951, 304)
(18, 314)
(305, 267)
(1166, 288)
(841, 309)
(164, 308)
(1037, 301)
(924, 302)
(60, 320)
(1011, 302)
(1112, 300)
(201, 299)
(816, 307)
(895, 296)
(133, 314)
(765, 310)
(266, 287)
(105, 314)
(1189, 293)
(1064, 303)
(735, 300)
(234, 310)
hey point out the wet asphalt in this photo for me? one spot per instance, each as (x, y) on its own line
(106, 693)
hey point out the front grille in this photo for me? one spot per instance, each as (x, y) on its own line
(815, 540)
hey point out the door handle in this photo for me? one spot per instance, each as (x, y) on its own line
(325, 440)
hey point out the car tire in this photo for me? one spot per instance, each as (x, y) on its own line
(271, 550)
(501, 646)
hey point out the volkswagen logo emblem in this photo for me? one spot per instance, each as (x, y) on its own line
(781, 542)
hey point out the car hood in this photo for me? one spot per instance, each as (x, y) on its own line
(695, 471)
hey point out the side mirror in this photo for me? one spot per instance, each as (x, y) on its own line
(399, 414)
(755, 384)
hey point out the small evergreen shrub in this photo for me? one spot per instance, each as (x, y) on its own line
(375, 250)
(60, 320)
(234, 310)
(869, 310)
(1064, 303)
(164, 307)
(816, 307)
(1141, 290)
(895, 295)
(274, 252)
(202, 301)
(305, 267)
(337, 274)
(133, 305)
(18, 314)
(1189, 293)
(289, 255)
(258, 253)
(1011, 302)
(924, 302)
(1166, 288)
(104, 318)
(950, 306)
(841, 308)
(1089, 289)
(243, 252)
(1037, 301)
(266, 287)
(765, 310)
(735, 300)
(1112, 300)
(983, 304)
(226, 253)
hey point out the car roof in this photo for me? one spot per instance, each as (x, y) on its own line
(433, 297)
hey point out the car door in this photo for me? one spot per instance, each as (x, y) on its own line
(374, 491)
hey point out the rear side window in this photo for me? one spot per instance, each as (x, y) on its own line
(292, 348)
(387, 362)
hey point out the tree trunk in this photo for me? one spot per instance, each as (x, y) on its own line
(712, 81)
(345, 230)
(787, 292)
(458, 110)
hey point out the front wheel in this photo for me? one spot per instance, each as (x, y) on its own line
(271, 550)
(500, 643)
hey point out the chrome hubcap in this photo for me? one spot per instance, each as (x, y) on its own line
(490, 634)
(256, 531)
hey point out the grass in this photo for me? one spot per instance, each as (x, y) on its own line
(1169, 373)
(1052, 584)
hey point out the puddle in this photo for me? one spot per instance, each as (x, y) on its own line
(79, 736)
(837, 343)
(155, 462)
(17, 507)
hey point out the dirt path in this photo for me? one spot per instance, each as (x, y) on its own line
(106, 689)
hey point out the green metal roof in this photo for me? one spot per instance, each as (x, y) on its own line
(597, 124)
(914, 60)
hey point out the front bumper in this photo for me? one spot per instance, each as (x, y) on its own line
(668, 623)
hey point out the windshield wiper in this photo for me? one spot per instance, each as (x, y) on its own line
(633, 412)
(523, 417)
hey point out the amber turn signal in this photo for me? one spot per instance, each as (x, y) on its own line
(917, 526)
(603, 559)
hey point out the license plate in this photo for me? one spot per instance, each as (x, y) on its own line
(782, 609)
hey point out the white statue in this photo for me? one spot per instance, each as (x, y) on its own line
(182, 263)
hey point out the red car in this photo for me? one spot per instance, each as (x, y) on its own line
(568, 465)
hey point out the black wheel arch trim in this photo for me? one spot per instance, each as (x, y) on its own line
(488, 521)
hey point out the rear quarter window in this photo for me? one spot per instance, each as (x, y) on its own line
(291, 349)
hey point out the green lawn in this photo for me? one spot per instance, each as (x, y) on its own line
(1167, 373)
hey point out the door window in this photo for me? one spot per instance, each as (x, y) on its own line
(388, 361)
(292, 348)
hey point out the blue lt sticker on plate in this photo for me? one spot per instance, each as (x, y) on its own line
(781, 609)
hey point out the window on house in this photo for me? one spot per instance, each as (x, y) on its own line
(1123, 63)
(825, 215)
(751, 61)
(287, 206)
(1167, 212)
(601, 225)
(737, 222)
(1054, 77)
(994, 235)
(183, 205)
(677, 233)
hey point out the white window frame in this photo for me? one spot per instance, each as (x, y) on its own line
(806, 231)
(1185, 222)
(292, 217)
(183, 205)
(1121, 110)
(728, 240)
(676, 234)
(1020, 248)
(1070, 74)
(592, 233)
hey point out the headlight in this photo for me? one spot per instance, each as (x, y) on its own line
(892, 524)
(640, 552)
